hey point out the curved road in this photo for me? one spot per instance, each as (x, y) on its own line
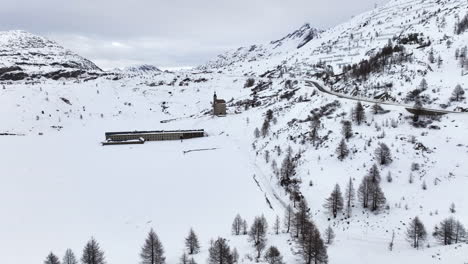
(410, 108)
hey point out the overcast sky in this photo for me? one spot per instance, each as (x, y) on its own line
(169, 33)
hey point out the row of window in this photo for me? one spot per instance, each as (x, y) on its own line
(155, 137)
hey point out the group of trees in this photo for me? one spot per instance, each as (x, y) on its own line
(462, 25)
(416, 233)
(152, 252)
(92, 254)
(370, 193)
(239, 226)
(315, 125)
(306, 234)
(336, 203)
(288, 179)
(342, 150)
(266, 122)
(220, 253)
(297, 222)
(461, 56)
(449, 231)
(389, 55)
(415, 95)
(257, 235)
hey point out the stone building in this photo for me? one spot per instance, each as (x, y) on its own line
(219, 106)
(139, 137)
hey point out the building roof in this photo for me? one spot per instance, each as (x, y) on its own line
(155, 132)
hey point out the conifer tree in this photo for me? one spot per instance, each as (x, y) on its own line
(273, 256)
(51, 259)
(244, 227)
(329, 235)
(457, 94)
(347, 129)
(314, 128)
(349, 197)
(69, 257)
(276, 226)
(359, 115)
(423, 85)
(288, 218)
(184, 259)
(383, 154)
(92, 253)
(152, 251)
(300, 218)
(220, 252)
(334, 203)
(191, 243)
(374, 174)
(342, 151)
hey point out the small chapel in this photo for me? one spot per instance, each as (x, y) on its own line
(219, 106)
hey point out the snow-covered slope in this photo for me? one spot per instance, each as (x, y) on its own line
(142, 69)
(24, 55)
(249, 58)
(364, 36)
(60, 186)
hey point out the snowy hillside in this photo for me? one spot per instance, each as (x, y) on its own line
(27, 56)
(295, 128)
(248, 59)
(423, 28)
(142, 69)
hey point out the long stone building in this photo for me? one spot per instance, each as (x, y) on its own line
(139, 137)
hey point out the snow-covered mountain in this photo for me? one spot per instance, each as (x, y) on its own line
(287, 104)
(27, 56)
(142, 69)
(424, 33)
(255, 55)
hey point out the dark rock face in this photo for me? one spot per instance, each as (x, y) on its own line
(13, 73)
(9, 69)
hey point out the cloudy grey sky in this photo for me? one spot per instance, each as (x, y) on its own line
(169, 33)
